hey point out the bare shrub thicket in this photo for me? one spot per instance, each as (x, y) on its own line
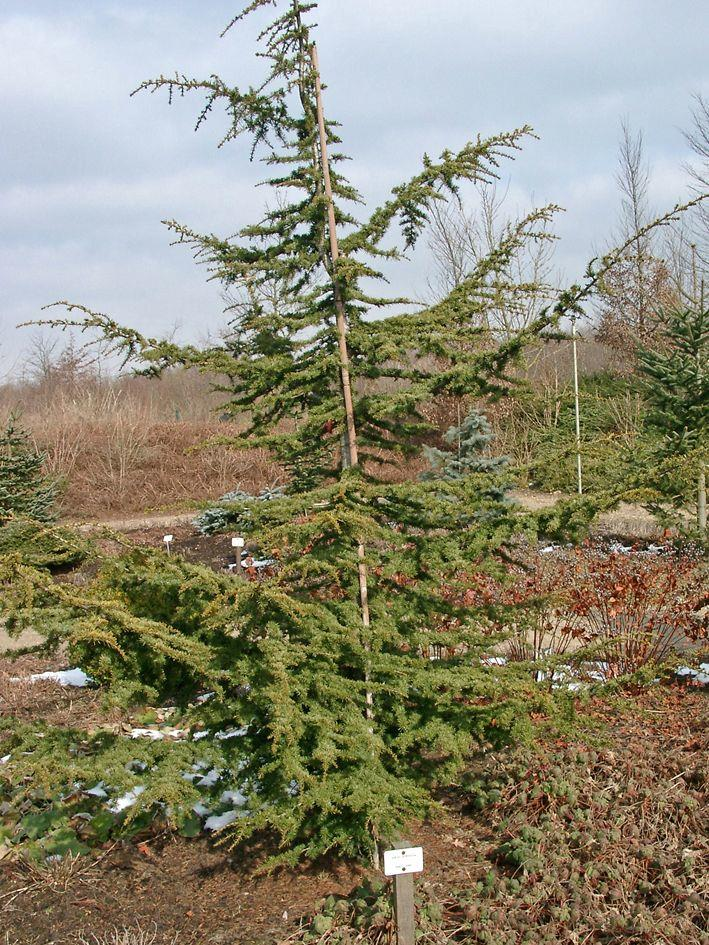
(628, 610)
(124, 444)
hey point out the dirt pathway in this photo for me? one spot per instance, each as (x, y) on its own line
(632, 521)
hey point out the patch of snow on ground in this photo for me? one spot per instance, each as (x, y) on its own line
(156, 735)
(65, 677)
(235, 798)
(232, 733)
(700, 676)
(98, 790)
(127, 800)
(218, 821)
(150, 733)
(494, 661)
(210, 778)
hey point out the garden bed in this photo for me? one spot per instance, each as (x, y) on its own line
(649, 751)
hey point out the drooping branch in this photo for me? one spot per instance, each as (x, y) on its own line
(478, 160)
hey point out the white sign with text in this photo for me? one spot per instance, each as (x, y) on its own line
(408, 860)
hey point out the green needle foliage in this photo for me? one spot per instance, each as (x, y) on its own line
(676, 387)
(25, 489)
(350, 722)
(676, 380)
(469, 442)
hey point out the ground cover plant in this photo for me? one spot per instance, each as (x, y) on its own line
(597, 838)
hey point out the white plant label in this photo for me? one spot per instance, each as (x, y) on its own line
(408, 860)
(237, 543)
(167, 539)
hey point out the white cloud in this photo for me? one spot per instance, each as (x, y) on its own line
(86, 172)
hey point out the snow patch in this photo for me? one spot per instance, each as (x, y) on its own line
(219, 821)
(157, 735)
(151, 733)
(699, 676)
(65, 677)
(126, 800)
(232, 733)
(210, 778)
(494, 661)
(235, 798)
(98, 790)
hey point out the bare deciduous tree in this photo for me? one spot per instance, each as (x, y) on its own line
(639, 284)
(460, 237)
(698, 140)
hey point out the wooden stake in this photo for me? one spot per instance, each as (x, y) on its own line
(404, 909)
(350, 454)
(335, 255)
(403, 867)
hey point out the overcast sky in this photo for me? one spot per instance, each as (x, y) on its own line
(87, 173)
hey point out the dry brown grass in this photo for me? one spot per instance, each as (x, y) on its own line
(24, 700)
(130, 445)
(130, 935)
(120, 464)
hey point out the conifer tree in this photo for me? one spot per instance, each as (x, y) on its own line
(469, 441)
(676, 385)
(349, 724)
(25, 489)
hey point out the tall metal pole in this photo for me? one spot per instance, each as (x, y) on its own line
(351, 456)
(577, 409)
(702, 477)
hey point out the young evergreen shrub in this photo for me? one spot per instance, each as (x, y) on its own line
(24, 487)
(470, 441)
(232, 511)
(349, 724)
(676, 385)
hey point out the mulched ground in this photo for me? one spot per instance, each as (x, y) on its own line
(191, 891)
(213, 551)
